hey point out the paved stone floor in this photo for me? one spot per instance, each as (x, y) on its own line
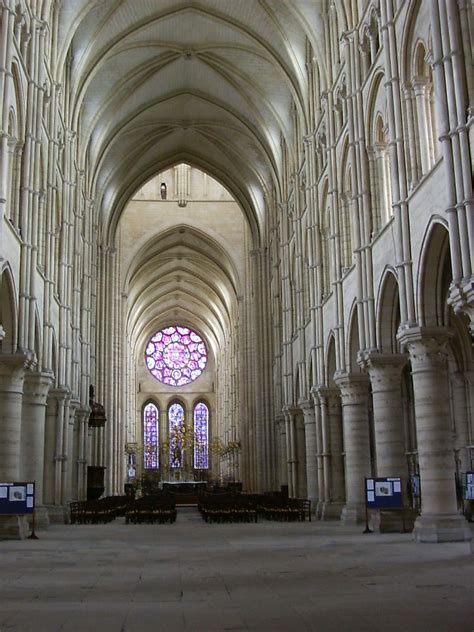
(266, 576)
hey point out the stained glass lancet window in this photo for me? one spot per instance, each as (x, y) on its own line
(201, 436)
(177, 430)
(150, 436)
(176, 355)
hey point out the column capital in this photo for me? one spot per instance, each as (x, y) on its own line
(384, 369)
(461, 299)
(290, 412)
(59, 394)
(36, 387)
(83, 415)
(426, 345)
(354, 387)
(324, 393)
(307, 407)
(13, 367)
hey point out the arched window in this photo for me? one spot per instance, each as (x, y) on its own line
(177, 431)
(150, 437)
(201, 436)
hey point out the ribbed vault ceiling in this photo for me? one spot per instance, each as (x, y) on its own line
(213, 83)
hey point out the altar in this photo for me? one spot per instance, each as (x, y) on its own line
(185, 492)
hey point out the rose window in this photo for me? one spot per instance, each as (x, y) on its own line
(176, 355)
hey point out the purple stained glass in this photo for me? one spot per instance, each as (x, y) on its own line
(176, 355)
(150, 436)
(177, 430)
(201, 436)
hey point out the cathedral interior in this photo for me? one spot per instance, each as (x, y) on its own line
(236, 251)
(236, 257)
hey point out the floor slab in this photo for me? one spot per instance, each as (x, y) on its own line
(267, 576)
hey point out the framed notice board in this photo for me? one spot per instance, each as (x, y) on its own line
(17, 498)
(383, 493)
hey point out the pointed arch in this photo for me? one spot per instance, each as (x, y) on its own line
(201, 425)
(352, 341)
(176, 432)
(388, 312)
(151, 434)
(331, 361)
(433, 272)
(8, 312)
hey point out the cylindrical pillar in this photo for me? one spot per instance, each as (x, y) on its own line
(12, 373)
(439, 520)
(310, 446)
(354, 399)
(385, 372)
(36, 387)
(333, 505)
(301, 486)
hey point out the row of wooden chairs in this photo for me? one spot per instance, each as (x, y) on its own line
(227, 508)
(151, 509)
(285, 509)
(99, 511)
(248, 507)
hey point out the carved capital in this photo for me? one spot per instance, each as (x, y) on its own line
(354, 387)
(427, 346)
(384, 369)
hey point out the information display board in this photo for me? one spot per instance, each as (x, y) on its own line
(17, 498)
(469, 491)
(383, 493)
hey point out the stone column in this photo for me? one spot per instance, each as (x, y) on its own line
(81, 484)
(439, 520)
(68, 455)
(36, 389)
(460, 387)
(354, 399)
(333, 505)
(301, 487)
(12, 374)
(291, 451)
(323, 452)
(53, 455)
(282, 445)
(310, 445)
(385, 372)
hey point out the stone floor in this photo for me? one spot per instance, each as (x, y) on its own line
(266, 576)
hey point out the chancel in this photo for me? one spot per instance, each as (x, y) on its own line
(236, 255)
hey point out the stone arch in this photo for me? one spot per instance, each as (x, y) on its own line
(352, 341)
(38, 340)
(388, 312)
(345, 208)
(311, 377)
(331, 361)
(146, 403)
(55, 358)
(8, 312)
(378, 154)
(433, 272)
(325, 230)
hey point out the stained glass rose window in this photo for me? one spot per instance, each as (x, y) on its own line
(176, 355)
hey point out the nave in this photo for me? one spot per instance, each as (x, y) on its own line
(236, 247)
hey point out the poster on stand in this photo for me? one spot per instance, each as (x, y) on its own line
(384, 493)
(17, 498)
